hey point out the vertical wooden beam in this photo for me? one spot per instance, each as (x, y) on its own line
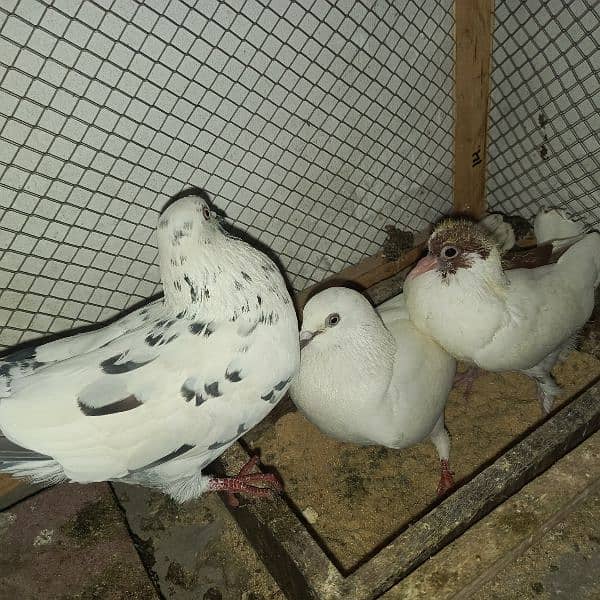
(473, 44)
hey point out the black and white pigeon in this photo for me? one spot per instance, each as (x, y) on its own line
(155, 397)
(484, 311)
(369, 376)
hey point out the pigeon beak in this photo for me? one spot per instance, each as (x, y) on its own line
(427, 263)
(306, 337)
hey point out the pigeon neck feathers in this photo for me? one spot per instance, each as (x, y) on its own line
(200, 267)
(209, 278)
(359, 345)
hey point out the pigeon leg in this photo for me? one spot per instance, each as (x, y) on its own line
(446, 478)
(547, 390)
(245, 482)
(467, 379)
(441, 440)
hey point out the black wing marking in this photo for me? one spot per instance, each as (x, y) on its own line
(200, 327)
(155, 463)
(274, 395)
(279, 386)
(123, 405)
(233, 376)
(241, 430)
(24, 361)
(113, 366)
(11, 453)
(212, 389)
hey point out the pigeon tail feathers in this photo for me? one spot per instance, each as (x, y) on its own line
(581, 262)
(554, 226)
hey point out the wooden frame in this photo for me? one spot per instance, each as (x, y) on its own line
(304, 571)
(473, 42)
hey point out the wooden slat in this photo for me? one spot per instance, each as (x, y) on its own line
(12, 490)
(304, 572)
(473, 30)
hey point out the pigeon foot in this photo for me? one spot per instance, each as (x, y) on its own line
(245, 482)
(446, 478)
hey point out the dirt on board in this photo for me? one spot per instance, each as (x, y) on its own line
(356, 498)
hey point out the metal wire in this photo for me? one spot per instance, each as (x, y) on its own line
(544, 136)
(311, 124)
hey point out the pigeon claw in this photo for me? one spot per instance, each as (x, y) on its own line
(446, 478)
(246, 482)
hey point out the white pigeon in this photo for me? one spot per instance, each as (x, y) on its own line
(370, 377)
(504, 319)
(155, 397)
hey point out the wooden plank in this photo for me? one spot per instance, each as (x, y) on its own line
(471, 561)
(473, 35)
(303, 570)
(519, 465)
(12, 490)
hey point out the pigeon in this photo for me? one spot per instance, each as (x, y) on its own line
(500, 318)
(368, 376)
(155, 397)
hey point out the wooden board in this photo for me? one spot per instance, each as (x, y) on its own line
(473, 35)
(12, 490)
(468, 564)
(304, 571)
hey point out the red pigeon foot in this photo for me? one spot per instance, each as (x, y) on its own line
(245, 482)
(446, 478)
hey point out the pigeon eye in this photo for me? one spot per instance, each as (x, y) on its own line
(332, 320)
(449, 251)
(206, 212)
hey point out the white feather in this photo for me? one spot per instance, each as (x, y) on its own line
(553, 225)
(508, 321)
(372, 378)
(111, 404)
(501, 231)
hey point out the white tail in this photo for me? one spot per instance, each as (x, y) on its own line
(553, 225)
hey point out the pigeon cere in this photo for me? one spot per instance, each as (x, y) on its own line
(299, 300)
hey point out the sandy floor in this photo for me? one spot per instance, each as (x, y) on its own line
(357, 497)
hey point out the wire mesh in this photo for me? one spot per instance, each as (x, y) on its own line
(311, 124)
(544, 136)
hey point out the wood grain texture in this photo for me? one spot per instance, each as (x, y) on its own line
(303, 570)
(473, 44)
(465, 567)
(12, 490)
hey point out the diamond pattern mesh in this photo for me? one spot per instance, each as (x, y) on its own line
(544, 136)
(312, 125)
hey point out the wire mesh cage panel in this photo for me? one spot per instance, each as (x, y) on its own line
(544, 136)
(312, 125)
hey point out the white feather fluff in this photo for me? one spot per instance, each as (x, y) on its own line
(156, 396)
(372, 378)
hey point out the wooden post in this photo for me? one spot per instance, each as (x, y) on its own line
(473, 42)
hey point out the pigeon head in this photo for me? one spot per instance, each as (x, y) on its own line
(457, 245)
(187, 221)
(204, 270)
(334, 315)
